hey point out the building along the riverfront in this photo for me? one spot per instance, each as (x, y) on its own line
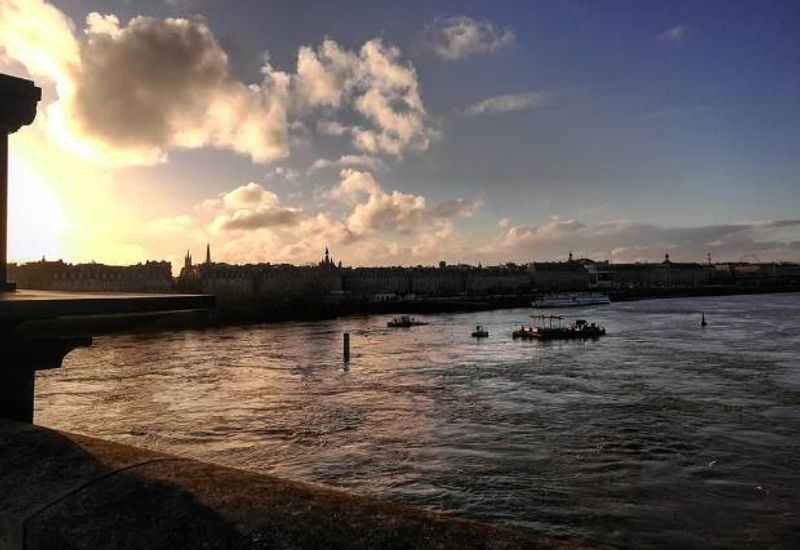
(284, 290)
(93, 277)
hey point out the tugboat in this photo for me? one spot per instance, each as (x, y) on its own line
(404, 321)
(480, 332)
(580, 329)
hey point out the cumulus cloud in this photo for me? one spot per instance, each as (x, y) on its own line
(367, 224)
(455, 38)
(507, 103)
(128, 93)
(675, 34)
(370, 224)
(376, 85)
(250, 207)
(377, 210)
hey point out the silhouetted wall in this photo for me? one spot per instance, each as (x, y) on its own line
(93, 277)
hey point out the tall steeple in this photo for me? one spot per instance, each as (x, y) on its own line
(208, 254)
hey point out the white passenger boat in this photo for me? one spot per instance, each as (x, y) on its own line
(571, 300)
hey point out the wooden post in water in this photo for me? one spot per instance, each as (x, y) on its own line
(346, 347)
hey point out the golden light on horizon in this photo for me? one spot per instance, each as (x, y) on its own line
(64, 207)
(36, 217)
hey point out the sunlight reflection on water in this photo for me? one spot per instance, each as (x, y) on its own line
(658, 434)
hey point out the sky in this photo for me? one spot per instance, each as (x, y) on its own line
(405, 133)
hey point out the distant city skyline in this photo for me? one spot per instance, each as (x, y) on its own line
(404, 134)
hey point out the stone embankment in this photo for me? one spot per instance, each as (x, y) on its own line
(67, 491)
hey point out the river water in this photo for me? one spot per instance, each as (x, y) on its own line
(659, 434)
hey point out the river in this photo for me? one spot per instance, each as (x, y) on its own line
(660, 434)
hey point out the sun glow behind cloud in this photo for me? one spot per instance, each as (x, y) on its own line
(36, 218)
(63, 207)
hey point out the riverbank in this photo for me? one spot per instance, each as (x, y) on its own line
(71, 491)
(306, 311)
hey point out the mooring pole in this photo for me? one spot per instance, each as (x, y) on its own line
(346, 343)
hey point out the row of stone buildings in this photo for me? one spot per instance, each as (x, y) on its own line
(93, 277)
(329, 281)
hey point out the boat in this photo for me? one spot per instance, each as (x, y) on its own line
(523, 332)
(480, 332)
(571, 300)
(405, 321)
(550, 328)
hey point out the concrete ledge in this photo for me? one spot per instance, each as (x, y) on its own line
(66, 491)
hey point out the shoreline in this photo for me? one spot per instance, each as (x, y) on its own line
(77, 491)
(305, 312)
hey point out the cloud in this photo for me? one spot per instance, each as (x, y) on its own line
(376, 85)
(368, 224)
(364, 161)
(457, 208)
(630, 242)
(331, 128)
(376, 210)
(283, 172)
(355, 185)
(459, 37)
(129, 93)
(250, 207)
(40, 37)
(675, 34)
(507, 103)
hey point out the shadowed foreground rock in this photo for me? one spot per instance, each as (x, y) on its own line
(66, 491)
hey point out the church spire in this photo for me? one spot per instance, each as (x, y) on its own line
(208, 253)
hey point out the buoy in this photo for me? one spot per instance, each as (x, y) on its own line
(703, 320)
(346, 347)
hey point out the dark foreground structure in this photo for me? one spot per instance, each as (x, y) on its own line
(67, 491)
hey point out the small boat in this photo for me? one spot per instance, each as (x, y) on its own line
(703, 322)
(571, 300)
(550, 328)
(404, 322)
(480, 332)
(523, 332)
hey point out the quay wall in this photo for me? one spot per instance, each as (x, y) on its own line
(68, 491)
